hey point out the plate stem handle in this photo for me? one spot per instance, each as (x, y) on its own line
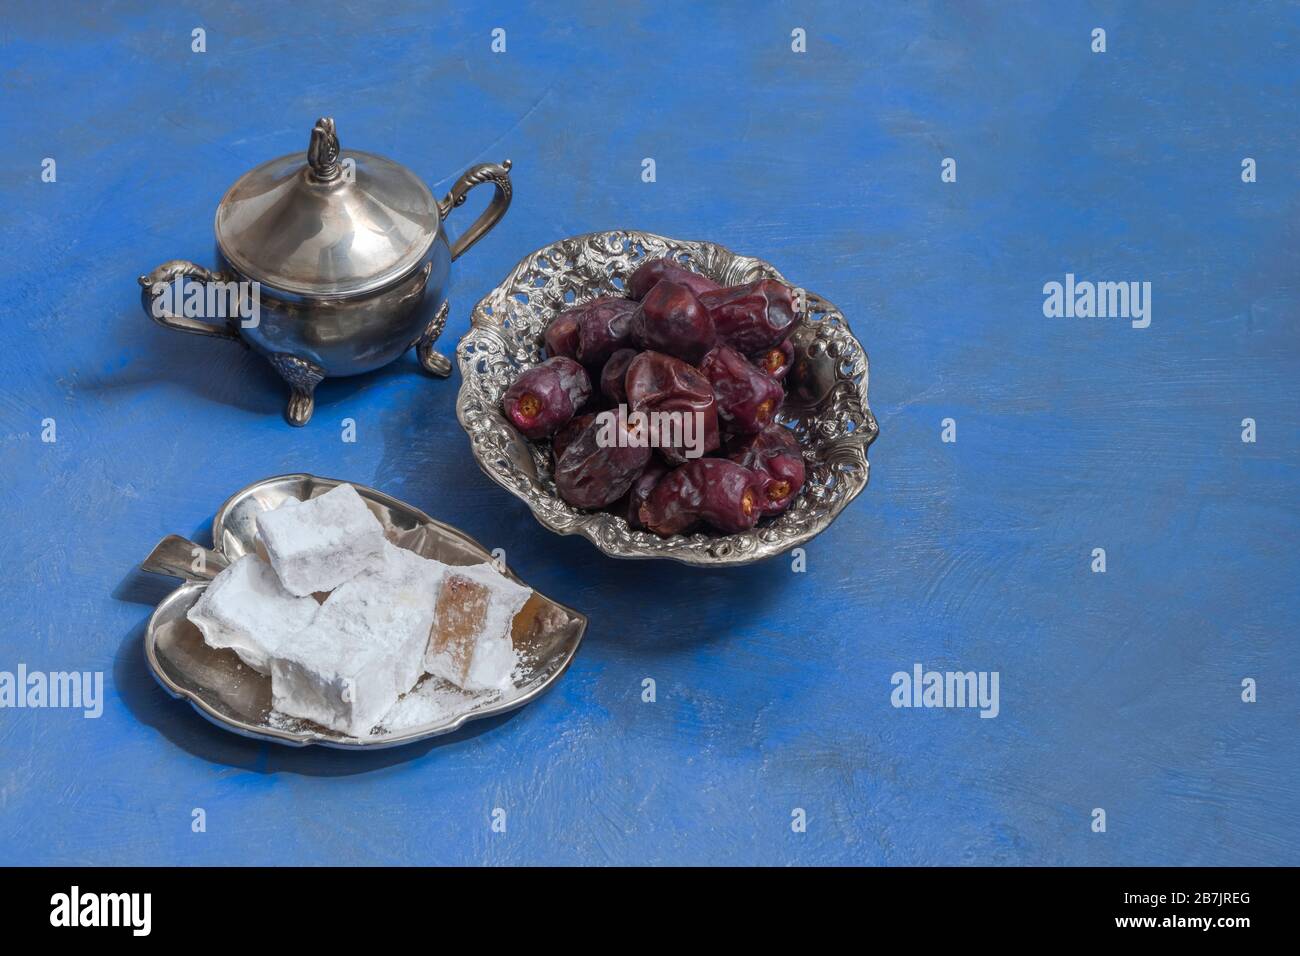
(179, 557)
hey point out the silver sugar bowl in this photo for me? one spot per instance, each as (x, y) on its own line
(331, 264)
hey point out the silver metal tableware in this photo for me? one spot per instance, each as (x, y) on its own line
(350, 260)
(235, 697)
(826, 401)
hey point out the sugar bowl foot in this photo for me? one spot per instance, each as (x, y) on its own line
(302, 377)
(435, 363)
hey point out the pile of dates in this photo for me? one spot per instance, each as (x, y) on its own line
(679, 343)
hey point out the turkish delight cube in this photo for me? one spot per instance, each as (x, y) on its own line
(317, 545)
(471, 644)
(246, 609)
(365, 647)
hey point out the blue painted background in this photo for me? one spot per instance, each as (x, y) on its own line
(1119, 691)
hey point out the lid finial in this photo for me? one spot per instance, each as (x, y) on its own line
(323, 151)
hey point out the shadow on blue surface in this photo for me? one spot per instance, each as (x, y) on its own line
(238, 377)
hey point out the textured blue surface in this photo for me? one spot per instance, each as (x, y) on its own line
(1119, 690)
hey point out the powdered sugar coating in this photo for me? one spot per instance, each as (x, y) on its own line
(433, 700)
(246, 609)
(494, 657)
(365, 647)
(319, 544)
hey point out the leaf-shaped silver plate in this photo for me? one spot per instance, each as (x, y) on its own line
(234, 696)
(826, 404)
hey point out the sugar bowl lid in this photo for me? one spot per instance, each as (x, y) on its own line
(337, 225)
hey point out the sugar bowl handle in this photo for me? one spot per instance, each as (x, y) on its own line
(154, 295)
(498, 176)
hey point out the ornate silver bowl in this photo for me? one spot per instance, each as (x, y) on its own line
(826, 403)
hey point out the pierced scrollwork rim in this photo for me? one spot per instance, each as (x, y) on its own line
(832, 417)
